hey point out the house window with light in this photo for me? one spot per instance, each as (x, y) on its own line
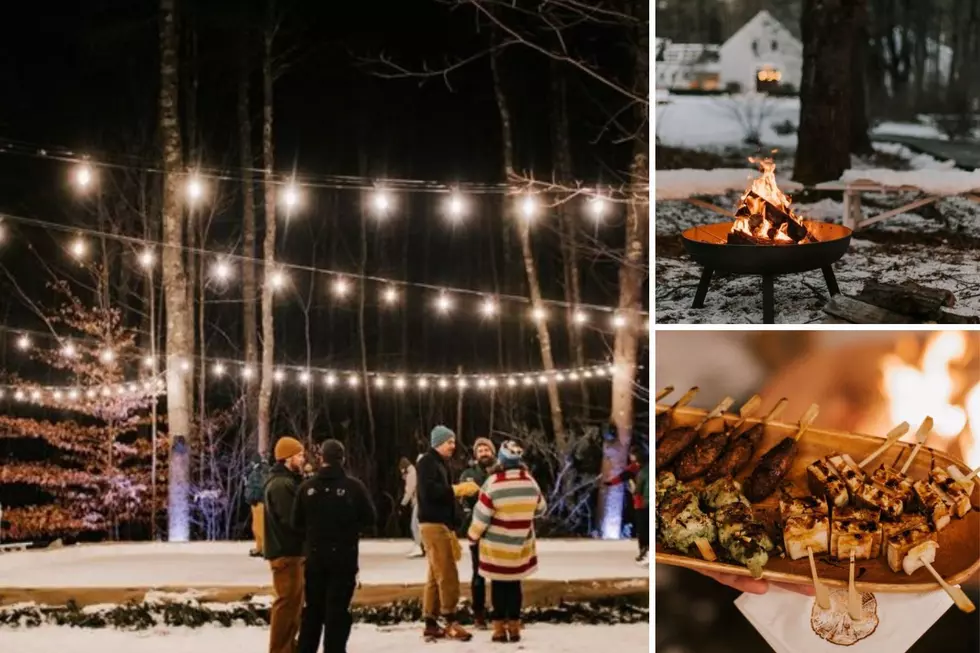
(767, 79)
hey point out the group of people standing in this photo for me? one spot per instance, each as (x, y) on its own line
(309, 531)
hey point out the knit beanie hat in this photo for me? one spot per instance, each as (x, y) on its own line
(487, 442)
(510, 454)
(333, 452)
(287, 447)
(440, 435)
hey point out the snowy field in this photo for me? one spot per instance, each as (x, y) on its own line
(227, 564)
(718, 122)
(563, 638)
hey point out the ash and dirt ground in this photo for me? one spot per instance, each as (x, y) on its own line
(937, 246)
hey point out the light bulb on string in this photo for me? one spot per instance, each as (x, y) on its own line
(279, 376)
(107, 356)
(400, 383)
(580, 317)
(78, 248)
(527, 380)
(56, 395)
(279, 279)
(618, 321)
(24, 342)
(511, 382)
(35, 395)
(456, 206)
(248, 373)
(291, 196)
(529, 207)
(444, 303)
(90, 394)
(184, 365)
(379, 382)
(341, 287)
(389, 295)
(573, 376)
(489, 307)
(149, 362)
(221, 270)
(492, 382)
(19, 395)
(83, 176)
(443, 384)
(330, 380)
(598, 207)
(194, 188)
(462, 384)
(304, 377)
(423, 382)
(482, 383)
(381, 202)
(353, 381)
(73, 395)
(69, 351)
(219, 369)
(147, 258)
(539, 314)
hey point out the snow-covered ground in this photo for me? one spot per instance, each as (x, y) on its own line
(564, 638)
(227, 564)
(719, 122)
(936, 246)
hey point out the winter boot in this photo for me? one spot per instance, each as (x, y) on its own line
(643, 555)
(499, 631)
(457, 632)
(433, 631)
(480, 619)
(514, 630)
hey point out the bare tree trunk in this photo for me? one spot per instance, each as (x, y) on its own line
(631, 276)
(269, 246)
(363, 340)
(524, 234)
(569, 236)
(180, 342)
(824, 149)
(249, 290)
(860, 142)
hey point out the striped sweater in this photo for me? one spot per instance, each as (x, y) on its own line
(503, 522)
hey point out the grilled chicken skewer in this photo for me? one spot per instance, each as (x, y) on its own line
(676, 440)
(745, 538)
(698, 457)
(774, 464)
(665, 419)
(741, 448)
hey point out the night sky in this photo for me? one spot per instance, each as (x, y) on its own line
(84, 77)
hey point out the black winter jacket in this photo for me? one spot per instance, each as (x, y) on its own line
(281, 539)
(332, 509)
(437, 502)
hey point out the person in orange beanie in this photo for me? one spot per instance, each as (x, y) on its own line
(284, 545)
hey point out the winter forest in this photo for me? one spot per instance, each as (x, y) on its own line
(228, 222)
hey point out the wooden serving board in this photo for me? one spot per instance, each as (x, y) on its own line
(958, 556)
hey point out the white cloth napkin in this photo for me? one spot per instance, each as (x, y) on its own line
(783, 618)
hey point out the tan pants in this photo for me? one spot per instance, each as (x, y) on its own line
(258, 526)
(287, 610)
(442, 550)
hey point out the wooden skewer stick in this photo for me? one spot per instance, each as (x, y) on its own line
(686, 399)
(890, 439)
(807, 419)
(704, 546)
(972, 475)
(776, 411)
(920, 436)
(746, 411)
(666, 391)
(725, 404)
(961, 600)
(853, 598)
(821, 591)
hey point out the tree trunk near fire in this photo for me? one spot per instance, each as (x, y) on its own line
(530, 269)
(249, 289)
(179, 338)
(828, 29)
(860, 141)
(562, 154)
(632, 272)
(269, 246)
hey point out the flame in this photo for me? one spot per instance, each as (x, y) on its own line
(935, 387)
(765, 189)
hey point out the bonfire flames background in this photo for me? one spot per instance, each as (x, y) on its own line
(765, 215)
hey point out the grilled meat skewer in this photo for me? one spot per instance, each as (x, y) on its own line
(681, 523)
(666, 419)
(696, 459)
(742, 447)
(676, 440)
(745, 539)
(775, 463)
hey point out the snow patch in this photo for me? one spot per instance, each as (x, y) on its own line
(933, 182)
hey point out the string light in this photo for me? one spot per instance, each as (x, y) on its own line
(185, 366)
(456, 206)
(538, 314)
(278, 279)
(107, 356)
(443, 384)
(444, 303)
(353, 381)
(219, 369)
(68, 351)
(279, 376)
(149, 362)
(330, 380)
(291, 195)
(580, 317)
(381, 202)
(341, 287)
(598, 207)
(529, 207)
(512, 382)
(248, 373)
(423, 382)
(24, 342)
(462, 384)
(304, 377)
(194, 188)
(147, 258)
(618, 321)
(379, 382)
(83, 176)
(78, 247)
(390, 295)
(400, 383)
(221, 270)
(489, 307)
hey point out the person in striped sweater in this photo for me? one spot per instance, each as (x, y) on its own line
(503, 525)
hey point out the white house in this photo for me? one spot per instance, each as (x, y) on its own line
(761, 55)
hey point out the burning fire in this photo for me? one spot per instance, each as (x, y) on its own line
(765, 214)
(937, 386)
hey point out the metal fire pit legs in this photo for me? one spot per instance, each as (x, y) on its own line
(768, 291)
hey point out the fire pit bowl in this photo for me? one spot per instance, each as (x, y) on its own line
(708, 246)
